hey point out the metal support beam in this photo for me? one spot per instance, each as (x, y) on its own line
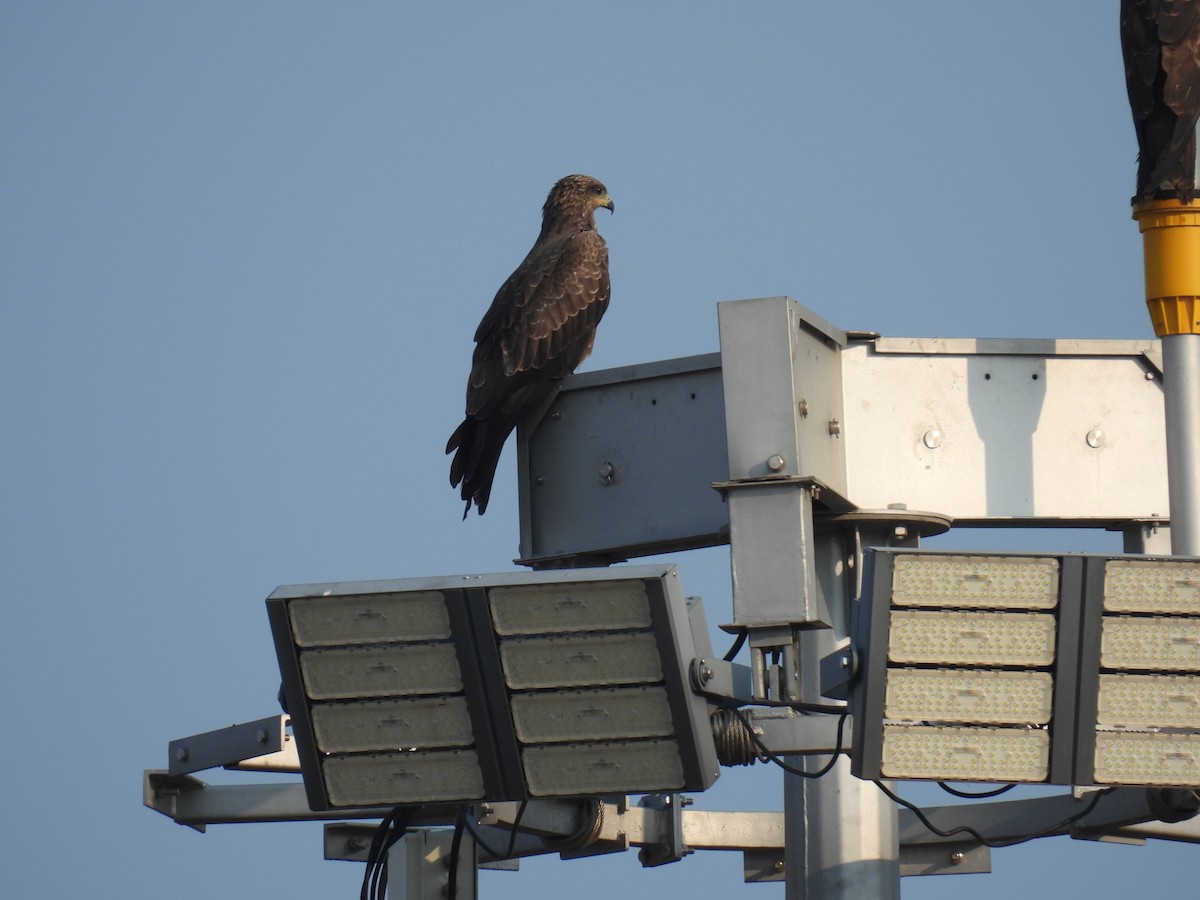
(189, 801)
(1181, 386)
(228, 746)
(1009, 821)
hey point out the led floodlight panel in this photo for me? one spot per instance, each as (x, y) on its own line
(1140, 715)
(494, 687)
(967, 667)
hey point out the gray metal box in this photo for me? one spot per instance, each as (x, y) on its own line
(994, 432)
(622, 464)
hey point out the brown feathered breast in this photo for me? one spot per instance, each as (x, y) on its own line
(539, 328)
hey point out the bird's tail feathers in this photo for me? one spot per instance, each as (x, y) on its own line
(477, 446)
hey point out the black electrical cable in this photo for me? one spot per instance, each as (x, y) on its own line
(391, 829)
(512, 840)
(987, 842)
(738, 642)
(455, 851)
(773, 757)
(976, 795)
(827, 708)
(494, 854)
(370, 874)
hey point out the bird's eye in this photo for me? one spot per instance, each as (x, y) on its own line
(598, 190)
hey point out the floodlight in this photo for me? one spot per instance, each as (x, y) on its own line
(958, 659)
(970, 754)
(635, 712)
(1152, 586)
(603, 768)
(972, 638)
(1140, 707)
(500, 687)
(385, 724)
(1150, 642)
(1150, 758)
(977, 581)
(964, 695)
(400, 778)
(1073, 669)
(596, 659)
(1149, 701)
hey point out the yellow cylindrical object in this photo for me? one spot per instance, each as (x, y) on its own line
(1171, 248)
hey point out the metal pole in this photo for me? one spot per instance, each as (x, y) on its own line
(1171, 256)
(841, 833)
(842, 838)
(1181, 396)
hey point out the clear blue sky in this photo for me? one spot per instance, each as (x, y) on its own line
(243, 248)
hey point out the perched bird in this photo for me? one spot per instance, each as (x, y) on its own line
(539, 327)
(1160, 40)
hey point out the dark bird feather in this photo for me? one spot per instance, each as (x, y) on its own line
(1160, 41)
(539, 328)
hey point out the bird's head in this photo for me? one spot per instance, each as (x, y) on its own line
(574, 196)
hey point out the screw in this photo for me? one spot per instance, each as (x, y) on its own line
(775, 463)
(261, 735)
(900, 532)
(933, 438)
(778, 866)
(957, 857)
(706, 672)
(607, 473)
(1095, 438)
(835, 427)
(181, 754)
(802, 408)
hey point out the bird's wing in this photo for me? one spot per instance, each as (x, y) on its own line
(1179, 31)
(542, 319)
(1140, 46)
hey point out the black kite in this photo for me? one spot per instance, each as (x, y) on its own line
(539, 327)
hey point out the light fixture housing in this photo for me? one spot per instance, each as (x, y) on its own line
(959, 653)
(565, 683)
(1139, 714)
(1039, 668)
